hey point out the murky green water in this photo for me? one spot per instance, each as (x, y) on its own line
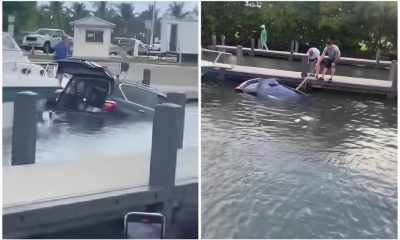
(283, 170)
(68, 137)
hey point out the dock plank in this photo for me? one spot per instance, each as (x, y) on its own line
(286, 54)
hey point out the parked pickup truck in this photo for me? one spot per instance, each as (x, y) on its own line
(44, 39)
(126, 46)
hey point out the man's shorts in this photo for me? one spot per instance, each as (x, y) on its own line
(329, 63)
(313, 60)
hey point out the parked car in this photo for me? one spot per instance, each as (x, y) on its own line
(93, 89)
(126, 46)
(155, 47)
(44, 39)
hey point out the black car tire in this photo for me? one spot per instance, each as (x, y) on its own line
(46, 47)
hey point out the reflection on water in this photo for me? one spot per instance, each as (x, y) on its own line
(69, 137)
(283, 170)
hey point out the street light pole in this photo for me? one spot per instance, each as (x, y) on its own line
(152, 24)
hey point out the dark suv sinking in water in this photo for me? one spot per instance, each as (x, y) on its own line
(91, 88)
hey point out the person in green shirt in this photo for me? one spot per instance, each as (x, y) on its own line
(263, 37)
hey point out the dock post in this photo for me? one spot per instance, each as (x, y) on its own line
(179, 99)
(291, 51)
(163, 156)
(239, 55)
(378, 56)
(214, 41)
(24, 129)
(164, 145)
(252, 43)
(259, 44)
(304, 66)
(296, 46)
(393, 79)
(223, 40)
(146, 76)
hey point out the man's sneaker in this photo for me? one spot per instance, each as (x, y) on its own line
(321, 79)
(316, 77)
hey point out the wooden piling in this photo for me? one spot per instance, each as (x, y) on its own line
(164, 146)
(291, 51)
(214, 41)
(252, 43)
(393, 79)
(179, 99)
(223, 40)
(304, 66)
(146, 76)
(378, 55)
(239, 55)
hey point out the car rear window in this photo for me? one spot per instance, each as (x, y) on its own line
(139, 95)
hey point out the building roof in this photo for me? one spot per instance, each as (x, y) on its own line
(92, 21)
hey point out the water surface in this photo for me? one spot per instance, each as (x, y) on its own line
(283, 170)
(69, 137)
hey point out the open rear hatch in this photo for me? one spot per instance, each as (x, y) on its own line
(88, 88)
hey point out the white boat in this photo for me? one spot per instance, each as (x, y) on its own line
(20, 74)
(215, 60)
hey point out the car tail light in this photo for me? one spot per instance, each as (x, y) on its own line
(238, 89)
(109, 105)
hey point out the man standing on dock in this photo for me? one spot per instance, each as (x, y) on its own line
(313, 56)
(333, 53)
(263, 37)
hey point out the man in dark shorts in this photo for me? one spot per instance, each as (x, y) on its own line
(60, 52)
(333, 53)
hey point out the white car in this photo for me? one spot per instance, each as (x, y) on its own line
(44, 39)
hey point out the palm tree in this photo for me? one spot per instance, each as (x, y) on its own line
(148, 14)
(101, 9)
(176, 10)
(79, 10)
(125, 12)
(56, 10)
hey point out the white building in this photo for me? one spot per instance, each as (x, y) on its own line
(92, 37)
(180, 36)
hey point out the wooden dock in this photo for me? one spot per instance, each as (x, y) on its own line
(291, 78)
(288, 55)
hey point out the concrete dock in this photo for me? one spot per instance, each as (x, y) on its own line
(49, 198)
(340, 83)
(45, 198)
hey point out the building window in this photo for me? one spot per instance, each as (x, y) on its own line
(94, 36)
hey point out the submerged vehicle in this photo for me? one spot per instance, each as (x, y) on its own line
(91, 88)
(20, 74)
(270, 89)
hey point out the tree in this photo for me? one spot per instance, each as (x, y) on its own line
(175, 9)
(78, 11)
(373, 24)
(126, 15)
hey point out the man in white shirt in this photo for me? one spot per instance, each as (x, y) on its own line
(313, 56)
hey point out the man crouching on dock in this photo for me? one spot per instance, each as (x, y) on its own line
(333, 53)
(313, 56)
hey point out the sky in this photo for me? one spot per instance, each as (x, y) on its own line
(140, 6)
